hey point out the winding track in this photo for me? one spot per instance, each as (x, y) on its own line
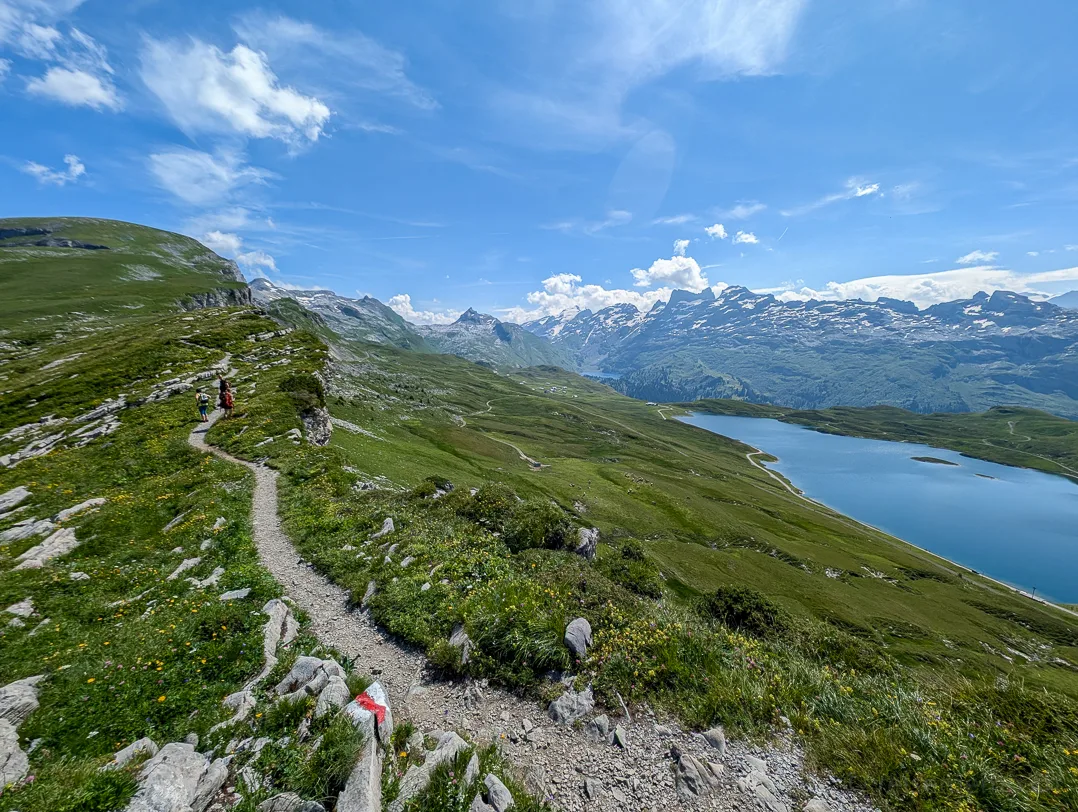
(555, 760)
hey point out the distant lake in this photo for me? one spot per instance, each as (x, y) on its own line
(1019, 526)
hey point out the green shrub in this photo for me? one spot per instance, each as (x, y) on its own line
(424, 490)
(325, 773)
(284, 717)
(440, 482)
(537, 524)
(746, 610)
(492, 505)
(631, 568)
(305, 390)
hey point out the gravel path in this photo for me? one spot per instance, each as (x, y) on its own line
(554, 760)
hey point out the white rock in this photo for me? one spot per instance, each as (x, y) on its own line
(333, 697)
(10, 499)
(387, 528)
(143, 746)
(285, 802)
(27, 529)
(23, 608)
(459, 640)
(817, 805)
(14, 763)
(498, 795)
(60, 543)
(587, 541)
(81, 507)
(177, 778)
(716, 737)
(185, 565)
(363, 791)
(79, 576)
(578, 637)
(235, 594)
(571, 706)
(19, 699)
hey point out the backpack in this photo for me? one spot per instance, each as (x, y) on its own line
(203, 399)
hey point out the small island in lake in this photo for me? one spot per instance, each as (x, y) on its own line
(934, 460)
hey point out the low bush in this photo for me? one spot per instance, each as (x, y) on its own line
(491, 505)
(537, 524)
(630, 567)
(305, 390)
(746, 610)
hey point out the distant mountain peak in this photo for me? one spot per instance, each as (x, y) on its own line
(473, 316)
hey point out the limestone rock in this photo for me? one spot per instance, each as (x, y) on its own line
(479, 805)
(27, 529)
(60, 543)
(23, 608)
(185, 565)
(598, 729)
(363, 791)
(387, 528)
(418, 776)
(716, 737)
(143, 746)
(10, 499)
(471, 772)
(178, 778)
(318, 425)
(372, 590)
(498, 795)
(333, 697)
(587, 541)
(79, 576)
(14, 763)
(578, 637)
(81, 507)
(621, 738)
(571, 706)
(694, 778)
(459, 640)
(285, 802)
(19, 699)
(817, 805)
(235, 594)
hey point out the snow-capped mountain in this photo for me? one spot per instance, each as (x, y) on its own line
(955, 356)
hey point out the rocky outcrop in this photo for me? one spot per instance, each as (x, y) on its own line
(17, 701)
(81, 507)
(25, 529)
(587, 541)
(694, 777)
(15, 496)
(318, 426)
(460, 640)
(221, 297)
(59, 543)
(178, 778)
(363, 791)
(418, 776)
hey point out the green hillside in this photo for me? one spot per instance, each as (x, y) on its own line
(715, 595)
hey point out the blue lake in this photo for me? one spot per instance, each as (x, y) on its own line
(1020, 527)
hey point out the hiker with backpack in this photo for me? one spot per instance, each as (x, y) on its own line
(203, 402)
(229, 400)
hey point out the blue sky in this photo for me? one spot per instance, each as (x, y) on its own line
(523, 158)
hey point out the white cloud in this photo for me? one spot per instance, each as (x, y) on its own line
(745, 238)
(854, 188)
(5, 69)
(75, 87)
(225, 244)
(588, 58)
(716, 232)
(38, 41)
(202, 179)
(743, 210)
(256, 263)
(58, 177)
(564, 291)
(1033, 253)
(1070, 247)
(346, 56)
(680, 247)
(974, 257)
(932, 288)
(675, 220)
(207, 90)
(402, 304)
(679, 271)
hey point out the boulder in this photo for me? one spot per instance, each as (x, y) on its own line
(178, 778)
(498, 795)
(598, 729)
(23, 608)
(716, 737)
(694, 778)
(471, 772)
(333, 697)
(235, 594)
(27, 529)
(571, 706)
(621, 738)
(19, 699)
(301, 673)
(479, 805)
(593, 789)
(387, 528)
(185, 565)
(587, 541)
(318, 425)
(363, 791)
(578, 637)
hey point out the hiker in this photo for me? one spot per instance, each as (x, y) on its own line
(203, 401)
(224, 387)
(229, 401)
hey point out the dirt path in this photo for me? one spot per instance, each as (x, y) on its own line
(554, 760)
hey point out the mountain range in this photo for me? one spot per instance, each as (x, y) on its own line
(964, 355)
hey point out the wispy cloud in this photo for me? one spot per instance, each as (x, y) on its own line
(854, 188)
(974, 257)
(742, 210)
(201, 179)
(614, 218)
(57, 177)
(675, 220)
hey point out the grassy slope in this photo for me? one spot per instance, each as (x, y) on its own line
(144, 272)
(158, 664)
(1009, 435)
(705, 518)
